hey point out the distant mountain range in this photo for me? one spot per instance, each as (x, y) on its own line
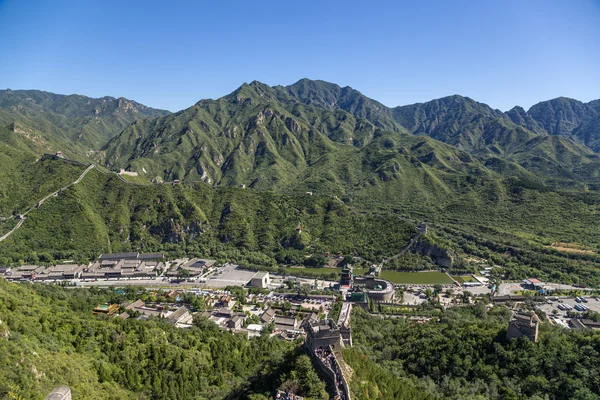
(311, 135)
(268, 136)
(358, 175)
(74, 124)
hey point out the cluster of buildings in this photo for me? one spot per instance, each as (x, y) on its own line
(359, 288)
(191, 268)
(181, 317)
(108, 266)
(37, 273)
(226, 318)
(287, 324)
(125, 265)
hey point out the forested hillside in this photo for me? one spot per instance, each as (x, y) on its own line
(465, 356)
(48, 338)
(102, 214)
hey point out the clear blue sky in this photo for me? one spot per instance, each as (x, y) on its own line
(170, 54)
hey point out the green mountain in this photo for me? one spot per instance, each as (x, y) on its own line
(103, 214)
(278, 137)
(520, 117)
(589, 133)
(469, 125)
(558, 157)
(333, 97)
(74, 124)
(250, 137)
(569, 118)
(498, 179)
(561, 116)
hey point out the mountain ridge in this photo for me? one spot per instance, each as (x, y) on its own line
(74, 124)
(289, 123)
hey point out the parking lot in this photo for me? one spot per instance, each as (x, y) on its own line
(592, 304)
(512, 287)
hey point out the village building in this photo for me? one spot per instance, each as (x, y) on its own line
(61, 272)
(583, 323)
(285, 323)
(260, 280)
(140, 307)
(236, 322)
(508, 297)
(107, 309)
(123, 315)
(25, 272)
(181, 316)
(533, 283)
(254, 330)
(226, 301)
(122, 268)
(268, 315)
(225, 312)
(193, 267)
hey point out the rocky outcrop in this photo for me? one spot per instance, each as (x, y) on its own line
(442, 257)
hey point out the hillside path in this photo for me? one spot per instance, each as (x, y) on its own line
(41, 202)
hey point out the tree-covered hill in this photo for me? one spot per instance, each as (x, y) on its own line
(103, 214)
(270, 137)
(49, 338)
(24, 178)
(465, 355)
(74, 124)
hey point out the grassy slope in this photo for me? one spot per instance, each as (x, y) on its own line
(104, 214)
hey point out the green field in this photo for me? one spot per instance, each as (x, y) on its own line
(464, 278)
(321, 273)
(417, 278)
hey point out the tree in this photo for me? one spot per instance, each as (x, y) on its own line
(429, 293)
(183, 273)
(304, 290)
(466, 296)
(399, 294)
(309, 383)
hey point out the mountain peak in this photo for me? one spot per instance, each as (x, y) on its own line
(560, 116)
(248, 92)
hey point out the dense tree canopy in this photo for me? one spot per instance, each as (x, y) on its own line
(464, 355)
(48, 338)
